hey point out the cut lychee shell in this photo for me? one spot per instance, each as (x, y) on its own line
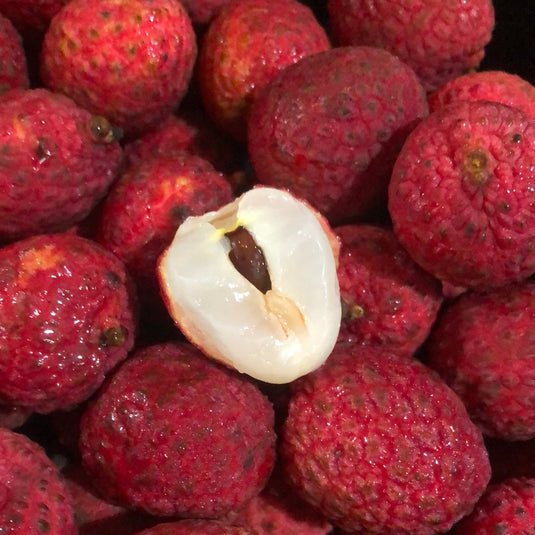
(254, 285)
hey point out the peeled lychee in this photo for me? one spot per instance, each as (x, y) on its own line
(254, 285)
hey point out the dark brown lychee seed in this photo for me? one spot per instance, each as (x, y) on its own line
(114, 336)
(103, 131)
(248, 258)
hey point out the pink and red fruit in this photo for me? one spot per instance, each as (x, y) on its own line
(439, 40)
(380, 444)
(202, 12)
(328, 128)
(35, 500)
(278, 510)
(195, 527)
(387, 299)
(13, 65)
(57, 162)
(482, 346)
(460, 196)
(496, 86)
(173, 433)
(12, 416)
(95, 516)
(245, 46)
(128, 60)
(188, 132)
(31, 16)
(68, 317)
(506, 508)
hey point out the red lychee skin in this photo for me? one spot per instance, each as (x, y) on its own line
(482, 346)
(189, 132)
(94, 515)
(388, 300)
(329, 127)
(68, 317)
(460, 196)
(128, 60)
(278, 510)
(245, 46)
(57, 162)
(496, 86)
(173, 433)
(34, 497)
(196, 527)
(201, 12)
(13, 67)
(380, 444)
(31, 15)
(506, 508)
(439, 40)
(144, 208)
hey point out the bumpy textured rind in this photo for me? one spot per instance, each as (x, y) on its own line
(460, 196)
(388, 299)
(245, 46)
(174, 434)
(279, 510)
(150, 200)
(68, 316)
(496, 86)
(439, 40)
(57, 162)
(506, 508)
(329, 127)
(13, 66)
(482, 346)
(381, 445)
(34, 499)
(129, 60)
(31, 15)
(196, 527)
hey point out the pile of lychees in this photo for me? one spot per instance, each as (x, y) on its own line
(266, 268)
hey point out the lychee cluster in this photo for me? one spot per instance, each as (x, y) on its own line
(267, 268)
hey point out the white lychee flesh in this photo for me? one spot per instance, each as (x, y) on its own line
(276, 336)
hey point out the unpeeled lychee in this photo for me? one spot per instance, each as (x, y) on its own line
(57, 162)
(68, 316)
(328, 129)
(244, 47)
(387, 299)
(35, 500)
(381, 445)
(461, 194)
(13, 65)
(128, 60)
(482, 346)
(439, 40)
(174, 434)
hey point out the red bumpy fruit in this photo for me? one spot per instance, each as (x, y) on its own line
(68, 317)
(34, 498)
(13, 66)
(380, 445)
(496, 86)
(128, 60)
(173, 433)
(245, 46)
(482, 346)
(387, 299)
(439, 40)
(461, 194)
(506, 508)
(328, 128)
(57, 162)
